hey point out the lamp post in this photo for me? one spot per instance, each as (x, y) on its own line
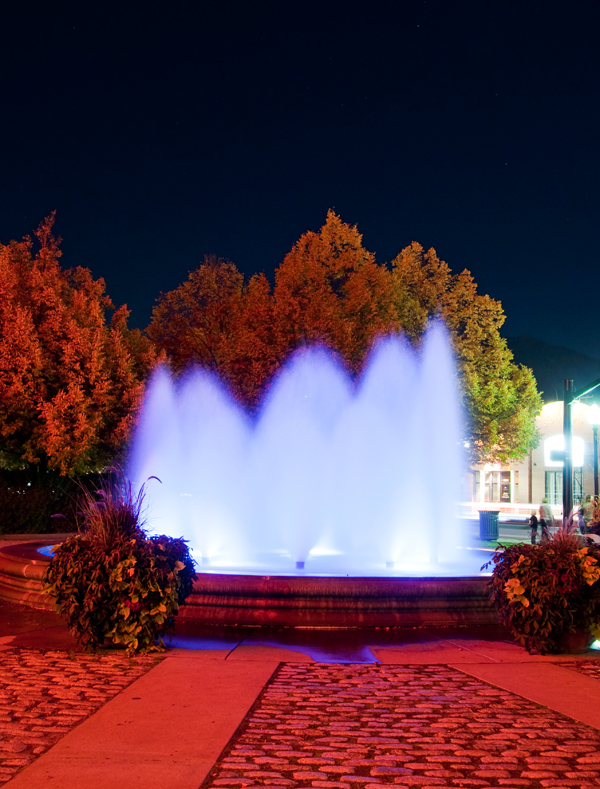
(568, 451)
(594, 420)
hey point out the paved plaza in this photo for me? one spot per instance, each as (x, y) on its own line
(238, 707)
(45, 693)
(275, 707)
(339, 726)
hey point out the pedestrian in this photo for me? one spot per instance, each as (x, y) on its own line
(533, 522)
(588, 513)
(546, 519)
(581, 520)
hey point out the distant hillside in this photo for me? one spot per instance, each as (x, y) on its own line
(551, 364)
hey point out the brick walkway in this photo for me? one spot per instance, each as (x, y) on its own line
(44, 694)
(368, 726)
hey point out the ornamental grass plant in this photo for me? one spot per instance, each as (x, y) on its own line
(545, 592)
(114, 582)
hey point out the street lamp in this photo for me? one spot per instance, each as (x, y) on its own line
(594, 420)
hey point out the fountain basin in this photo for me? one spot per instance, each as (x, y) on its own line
(293, 601)
(320, 601)
(22, 568)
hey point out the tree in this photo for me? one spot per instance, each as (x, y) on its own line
(193, 321)
(69, 383)
(329, 289)
(220, 323)
(254, 351)
(500, 397)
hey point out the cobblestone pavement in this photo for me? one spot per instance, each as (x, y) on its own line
(367, 726)
(591, 668)
(44, 694)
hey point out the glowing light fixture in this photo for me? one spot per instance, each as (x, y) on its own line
(558, 443)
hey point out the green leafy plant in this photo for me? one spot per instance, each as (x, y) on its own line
(112, 581)
(543, 592)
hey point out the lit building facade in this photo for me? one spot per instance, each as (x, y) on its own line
(520, 487)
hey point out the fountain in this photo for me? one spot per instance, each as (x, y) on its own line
(329, 478)
(333, 505)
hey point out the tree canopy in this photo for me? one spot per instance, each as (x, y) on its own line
(69, 382)
(217, 321)
(329, 289)
(500, 398)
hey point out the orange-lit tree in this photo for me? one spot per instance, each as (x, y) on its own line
(69, 382)
(216, 321)
(329, 289)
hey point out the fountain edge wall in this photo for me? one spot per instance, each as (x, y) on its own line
(291, 601)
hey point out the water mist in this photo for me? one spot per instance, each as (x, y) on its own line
(331, 476)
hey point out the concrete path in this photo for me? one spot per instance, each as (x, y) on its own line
(563, 690)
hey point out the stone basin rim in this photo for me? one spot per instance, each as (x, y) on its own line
(319, 601)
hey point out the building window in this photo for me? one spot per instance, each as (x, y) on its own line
(492, 486)
(577, 486)
(554, 487)
(554, 481)
(505, 487)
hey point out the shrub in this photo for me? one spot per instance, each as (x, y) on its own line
(543, 592)
(114, 582)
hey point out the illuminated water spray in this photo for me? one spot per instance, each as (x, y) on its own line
(343, 478)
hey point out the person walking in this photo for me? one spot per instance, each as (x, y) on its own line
(533, 522)
(546, 519)
(581, 520)
(587, 510)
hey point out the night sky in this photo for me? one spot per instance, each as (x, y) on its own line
(163, 131)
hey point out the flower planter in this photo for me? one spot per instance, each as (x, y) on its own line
(575, 643)
(548, 595)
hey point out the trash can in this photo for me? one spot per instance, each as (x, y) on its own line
(488, 524)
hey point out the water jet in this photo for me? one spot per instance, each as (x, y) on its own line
(332, 476)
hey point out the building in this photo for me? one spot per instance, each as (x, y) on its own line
(520, 487)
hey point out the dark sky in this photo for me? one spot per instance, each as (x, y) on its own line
(164, 131)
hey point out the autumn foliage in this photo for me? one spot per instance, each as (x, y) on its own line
(329, 289)
(500, 398)
(216, 321)
(69, 382)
